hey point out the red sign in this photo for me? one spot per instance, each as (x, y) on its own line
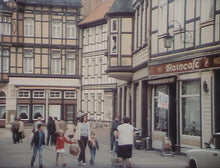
(180, 66)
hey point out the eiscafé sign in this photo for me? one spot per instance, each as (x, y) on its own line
(180, 66)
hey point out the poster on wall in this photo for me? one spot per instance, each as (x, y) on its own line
(163, 100)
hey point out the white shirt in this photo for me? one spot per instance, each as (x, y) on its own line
(125, 136)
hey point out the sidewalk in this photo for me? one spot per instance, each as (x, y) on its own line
(19, 155)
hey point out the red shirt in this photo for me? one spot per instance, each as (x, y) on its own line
(60, 142)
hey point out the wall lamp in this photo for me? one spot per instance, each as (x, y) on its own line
(187, 38)
(205, 86)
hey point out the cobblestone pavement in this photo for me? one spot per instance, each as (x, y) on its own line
(19, 155)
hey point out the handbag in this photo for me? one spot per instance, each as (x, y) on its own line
(73, 150)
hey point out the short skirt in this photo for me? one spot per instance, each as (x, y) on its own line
(60, 151)
(125, 151)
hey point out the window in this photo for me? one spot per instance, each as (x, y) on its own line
(179, 14)
(70, 94)
(86, 67)
(38, 94)
(71, 29)
(5, 25)
(190, 105)
(29, 27)
(23, 111)
(70, 64)
(114, 25)
(162, 21)
(56, 63)
(160, 114)
(28, 61)
(99, 103)
(93, 68)
(207, 10)
(55, 94)
(23, 94)
(113, 44)
(38, 111)
(86, 102)
(56, 29)
(99, 68)
(2, 112)
(4, 61)
(86, 37)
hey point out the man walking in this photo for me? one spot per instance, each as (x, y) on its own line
(37, 142)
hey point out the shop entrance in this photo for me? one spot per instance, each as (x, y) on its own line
(217, 102)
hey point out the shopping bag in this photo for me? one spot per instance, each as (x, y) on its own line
(73, 150)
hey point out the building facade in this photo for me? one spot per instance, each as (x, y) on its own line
(168, 90)
(39, 49)
(98, 89)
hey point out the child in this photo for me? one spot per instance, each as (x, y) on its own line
(93, 145)
(60, 147)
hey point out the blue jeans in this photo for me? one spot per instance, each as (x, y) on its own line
(40, 151)
(92, 153)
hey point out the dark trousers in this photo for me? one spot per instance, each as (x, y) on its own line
(15, 136)
(112, 141)
(82, 144)
(50, 138)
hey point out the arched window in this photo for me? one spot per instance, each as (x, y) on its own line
(2, 106)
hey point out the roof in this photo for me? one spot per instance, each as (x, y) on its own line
(71, 3)
(98, 14)
(121, 7)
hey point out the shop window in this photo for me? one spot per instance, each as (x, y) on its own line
(38, 111)
(23, 111)
(190, 103)
(23, 94)
(2, 112)
(38, 94)
(160, 114)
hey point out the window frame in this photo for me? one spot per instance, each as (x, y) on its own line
(42, 115)
(23, 92)
(70, 64)
(29, 27)
(68, 94)
(56, 30)
(71, 30)
(40, 93)
(28, 62)
(56, 63)
(54, 92)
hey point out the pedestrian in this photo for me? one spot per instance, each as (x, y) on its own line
(21, 134)
(60, 147)
(57, 129)
(114, 124)
(70, 130)
(125, 133)
(93, 145)
(14, 130)
(82, 135)
(50, 131)
(62, 125)
(35, 126)
(37, 142)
